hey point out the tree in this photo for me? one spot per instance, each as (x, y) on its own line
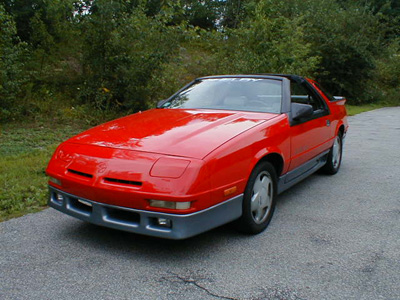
(122, 48)
(268, 42)
(346, 39)
(11, 65)
(233, 12)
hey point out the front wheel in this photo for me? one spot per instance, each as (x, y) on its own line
(334, 157)
(259, 199)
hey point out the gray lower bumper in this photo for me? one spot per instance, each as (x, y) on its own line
(145, 222)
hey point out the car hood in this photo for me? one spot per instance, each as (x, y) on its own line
(178, 132)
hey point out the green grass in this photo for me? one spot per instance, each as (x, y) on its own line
(25, 150)
(357, 109)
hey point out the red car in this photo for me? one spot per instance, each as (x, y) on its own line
(218, 150)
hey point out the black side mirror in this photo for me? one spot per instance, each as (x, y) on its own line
(300, 111)
(161, 103)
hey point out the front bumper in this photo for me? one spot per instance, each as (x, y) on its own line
(145, 222)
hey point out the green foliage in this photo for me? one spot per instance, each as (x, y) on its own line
(95, 59)
(347, 40)
(234, 12)
(197, 56)
(268, 42)
(386, 82)
(122, 50)
(12, 77)
(202, 14)
(23, 11)
(387, 11)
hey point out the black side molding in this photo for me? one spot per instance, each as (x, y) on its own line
(295, 176)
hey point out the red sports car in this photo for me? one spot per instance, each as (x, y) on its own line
(218, 150)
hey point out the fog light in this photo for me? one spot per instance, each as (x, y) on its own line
(87, 203)
(59, 197)
(55, 180)
(169, 204)
(164, 222)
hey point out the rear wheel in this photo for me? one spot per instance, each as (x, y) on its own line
(335, 156)
(259, 199)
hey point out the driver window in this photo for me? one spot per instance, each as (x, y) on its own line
(300, 94)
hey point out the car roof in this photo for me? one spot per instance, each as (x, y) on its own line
(291, 77)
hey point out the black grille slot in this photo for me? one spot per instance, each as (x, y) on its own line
(121, 181)
(80, 173)
(121, 215)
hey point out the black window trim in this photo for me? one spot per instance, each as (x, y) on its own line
(318, 113)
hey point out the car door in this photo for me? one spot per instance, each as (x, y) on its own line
(310, 136)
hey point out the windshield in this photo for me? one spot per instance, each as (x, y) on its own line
(247, 94)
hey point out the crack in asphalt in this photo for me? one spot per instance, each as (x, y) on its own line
(265, 293)
(196, 284)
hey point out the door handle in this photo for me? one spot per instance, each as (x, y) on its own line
(328, 123)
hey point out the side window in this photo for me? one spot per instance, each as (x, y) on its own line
(300, 94)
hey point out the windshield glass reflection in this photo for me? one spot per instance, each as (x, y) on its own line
(246, 94)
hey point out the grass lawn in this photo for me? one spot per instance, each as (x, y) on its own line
(25, 150)
(354, 110)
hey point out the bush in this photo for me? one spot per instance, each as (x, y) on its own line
(386, 80)
(121, 52)
(12, 77)
(268, 42)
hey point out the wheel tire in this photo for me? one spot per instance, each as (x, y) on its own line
(334, 157)
(258, 200)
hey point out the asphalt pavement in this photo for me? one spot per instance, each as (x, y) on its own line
(332, 237)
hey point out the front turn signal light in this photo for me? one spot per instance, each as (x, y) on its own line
(169, 204)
